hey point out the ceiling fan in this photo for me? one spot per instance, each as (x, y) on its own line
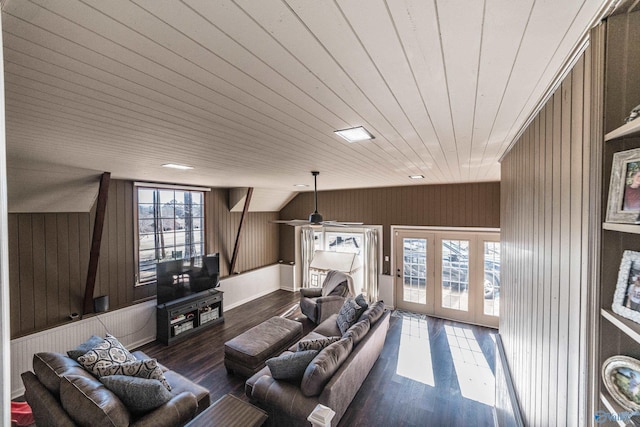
(315, 219)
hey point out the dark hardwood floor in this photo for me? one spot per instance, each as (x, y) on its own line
(431, 372)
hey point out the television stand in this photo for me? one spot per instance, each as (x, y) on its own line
(186, 316)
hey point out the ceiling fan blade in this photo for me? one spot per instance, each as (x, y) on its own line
(292, 222)
(340, 223)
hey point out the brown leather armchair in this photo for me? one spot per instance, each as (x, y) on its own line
(320, 303)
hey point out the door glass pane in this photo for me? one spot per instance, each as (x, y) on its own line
(455, 274)
(414, 271)
(492, 278)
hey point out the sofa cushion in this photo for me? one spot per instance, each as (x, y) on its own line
(316, 344)
(290, 366)
(374, 312)
(358, 331)
(348, 314)
(324, 365)
(147, 368)
(93, 341)
(328, 327)
(49, 367)
(108, 352)
(139, 395)
(89, 403)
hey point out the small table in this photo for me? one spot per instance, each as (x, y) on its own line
(230, 411)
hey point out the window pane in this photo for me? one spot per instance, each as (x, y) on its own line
(492, 278)
(167, 196)
(455, 274)
(145, 196)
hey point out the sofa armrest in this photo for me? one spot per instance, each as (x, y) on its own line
(46, 409)
(311, 292)
(328, 305)
(282, 399)
(176, 412)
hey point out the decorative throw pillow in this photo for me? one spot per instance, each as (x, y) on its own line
(362, 302)
(317, 344)
(84, 347)
(108, 352)
(290, 366)
(138, 394)
(348, 314)
(147, 368)
(374, 312)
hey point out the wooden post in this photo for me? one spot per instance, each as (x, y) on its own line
(236, 248)
(101, 207)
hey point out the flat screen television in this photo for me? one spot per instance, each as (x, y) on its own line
(180, 278)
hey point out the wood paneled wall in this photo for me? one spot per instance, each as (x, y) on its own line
(49, 256)
(453, 205)
(547, 199)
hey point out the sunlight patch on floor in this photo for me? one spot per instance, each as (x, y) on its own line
(475, 378)
(415, 351)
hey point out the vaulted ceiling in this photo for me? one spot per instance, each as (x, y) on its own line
(249, 92)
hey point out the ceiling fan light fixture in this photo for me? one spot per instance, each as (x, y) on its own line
(355, 134)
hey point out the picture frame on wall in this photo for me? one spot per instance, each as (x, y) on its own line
(624, 188)
(621, 377)
(626, 299)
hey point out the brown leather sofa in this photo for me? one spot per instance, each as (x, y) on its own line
(332, 378)
(62, 393)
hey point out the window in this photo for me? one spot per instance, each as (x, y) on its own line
(170, 225)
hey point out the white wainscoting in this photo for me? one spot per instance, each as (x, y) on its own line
(135, 325)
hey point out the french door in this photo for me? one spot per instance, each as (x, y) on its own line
(450, 274)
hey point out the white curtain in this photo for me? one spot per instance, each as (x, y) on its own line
(307, 246)
(370, 264)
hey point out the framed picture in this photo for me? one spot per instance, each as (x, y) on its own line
(626, 299)
(621, 376)
(624, 189)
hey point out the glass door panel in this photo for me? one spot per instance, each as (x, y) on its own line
(414, 272)
(455, 274)
(491, 278)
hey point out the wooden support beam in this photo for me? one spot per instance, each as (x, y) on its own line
(236, 248)
(101, 207)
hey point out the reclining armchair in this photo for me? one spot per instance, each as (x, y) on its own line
(320, 303)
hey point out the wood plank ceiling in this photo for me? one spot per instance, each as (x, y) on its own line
(249, 92)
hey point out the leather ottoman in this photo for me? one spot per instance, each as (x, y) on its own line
(246, 353)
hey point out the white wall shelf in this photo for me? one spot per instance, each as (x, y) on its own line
(625, 228)
(629, 327)
(628, 129)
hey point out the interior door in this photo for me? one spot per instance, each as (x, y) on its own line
(414, 257)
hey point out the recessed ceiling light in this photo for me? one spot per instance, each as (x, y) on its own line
(354, 134)
(300, 185)
(176, 166)
(416, 176)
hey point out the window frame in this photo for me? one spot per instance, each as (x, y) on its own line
(136, 222)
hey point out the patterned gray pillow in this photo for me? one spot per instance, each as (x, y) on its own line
(348, 314)
(139, 395)
(146, 368)
(290, 366)
(108, 352)
(317, 344)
